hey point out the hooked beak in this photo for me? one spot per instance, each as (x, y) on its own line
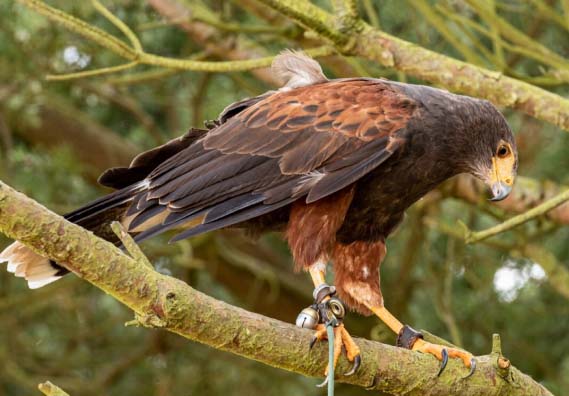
(500, 191)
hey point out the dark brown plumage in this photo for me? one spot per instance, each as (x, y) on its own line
(332, 163)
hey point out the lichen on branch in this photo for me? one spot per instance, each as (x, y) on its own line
(354, 38)
(373, 44)
(168, 303)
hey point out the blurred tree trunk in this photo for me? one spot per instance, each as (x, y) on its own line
(97, 147)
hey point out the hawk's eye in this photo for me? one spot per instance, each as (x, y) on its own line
(503, 151)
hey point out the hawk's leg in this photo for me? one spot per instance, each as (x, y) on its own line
(409, 338)
(357, 280)
(329, 310)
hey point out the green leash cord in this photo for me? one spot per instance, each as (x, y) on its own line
(330, 332)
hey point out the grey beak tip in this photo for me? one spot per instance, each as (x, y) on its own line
(500, 191)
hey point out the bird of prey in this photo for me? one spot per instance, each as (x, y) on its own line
(333, 164)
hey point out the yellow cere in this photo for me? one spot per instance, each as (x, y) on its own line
(503, 164)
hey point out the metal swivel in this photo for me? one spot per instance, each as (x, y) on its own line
(337, 308)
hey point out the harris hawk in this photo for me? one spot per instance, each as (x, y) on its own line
(333, 164)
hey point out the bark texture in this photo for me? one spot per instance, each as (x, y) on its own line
(359, 39)
(165, 302)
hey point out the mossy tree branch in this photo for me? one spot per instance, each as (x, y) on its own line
(165, 302)
(134, 53)
(353, 38)
(540, 210)
(364, 41)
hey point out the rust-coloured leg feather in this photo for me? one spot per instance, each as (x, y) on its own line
(357, 279)
(311, 234)
(311, 229)
(356, 270)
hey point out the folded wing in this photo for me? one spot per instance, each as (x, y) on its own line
(306, 143)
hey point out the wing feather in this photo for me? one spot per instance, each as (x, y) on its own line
(273, 150)
(147, 161)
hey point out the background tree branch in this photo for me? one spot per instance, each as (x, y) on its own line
(362, 40)
(357, 39)
(58, 124)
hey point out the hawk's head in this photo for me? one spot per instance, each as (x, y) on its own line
(496, 157)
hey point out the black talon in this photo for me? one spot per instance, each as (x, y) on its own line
(323, 384)
(444, 362)
(355, 367)
(313, 342)
(373, 383)
(472, 368)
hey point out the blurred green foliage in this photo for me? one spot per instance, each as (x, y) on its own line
(73, 335)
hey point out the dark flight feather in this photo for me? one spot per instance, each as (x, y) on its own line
(241, 216)
(145, 215)
(337, 180)
(106, 202)
(251, 161)
(145, 162)
(249, 180)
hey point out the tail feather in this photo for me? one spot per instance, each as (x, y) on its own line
(97, 215)
(40, 271)
(24, 263)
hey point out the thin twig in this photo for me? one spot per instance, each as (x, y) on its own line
(468, 29)
(90, 73)
(142, 77)
(130, 245)
(456, 233)
(497, 40)
(550, 14)
(49, 389)
(229, 66)
(473, 237)
(518, 37)
(149, 75)
(371, 13)
(437, 22)
(119, 24)
(83, 28)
